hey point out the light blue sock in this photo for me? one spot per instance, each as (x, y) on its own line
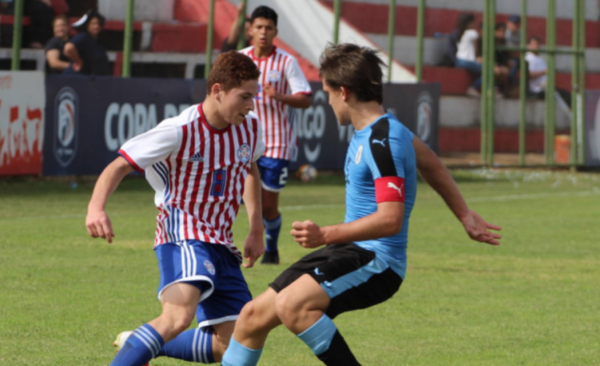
(238, 355)
(318, 337)
(140, 347)
(194, 345)
(272, 229)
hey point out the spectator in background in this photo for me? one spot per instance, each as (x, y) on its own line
(88, 56)
(536, 68)
(231, 42)
(56, 61)
(502, 60)
(40, 31)
(466, 52)
(512, 34)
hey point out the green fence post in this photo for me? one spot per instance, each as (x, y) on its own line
(549, 127)
(242, 25)
(523, 86)
(420, 39)
(17, 35)
(391, 33)
(484, 82)
(128, 41)
(575, 86)
(336, 21)
(209, 39)
(581, 129)
(491, 90)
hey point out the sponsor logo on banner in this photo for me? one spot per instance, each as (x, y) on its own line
(424, 116)
(311, 126)
(21, 122)
(66, 126)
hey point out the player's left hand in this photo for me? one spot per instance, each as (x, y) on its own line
(254, 247)
(479, 230)
(270, 91)
(307, 234)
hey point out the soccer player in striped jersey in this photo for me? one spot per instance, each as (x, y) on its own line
(200, 163)
(363, 261)
(281, 85)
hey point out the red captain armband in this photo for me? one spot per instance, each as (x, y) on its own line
(389, 189)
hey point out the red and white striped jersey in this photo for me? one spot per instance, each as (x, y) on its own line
(281, 70)
(198, 173)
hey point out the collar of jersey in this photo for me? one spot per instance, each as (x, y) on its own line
(204, 121)
(368, 127)
(264, 58)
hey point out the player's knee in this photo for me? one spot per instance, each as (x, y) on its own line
(251, 318)
(288, 307)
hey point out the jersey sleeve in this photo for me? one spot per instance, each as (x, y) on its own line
(150, 147)
(296, 79)
(387, 163)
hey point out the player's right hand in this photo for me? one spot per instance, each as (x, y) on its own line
(98, 224)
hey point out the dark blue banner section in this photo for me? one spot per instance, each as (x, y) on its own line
(88, 119)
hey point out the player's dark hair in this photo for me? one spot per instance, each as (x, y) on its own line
(356, 68)
(230, 70)
(264, 12)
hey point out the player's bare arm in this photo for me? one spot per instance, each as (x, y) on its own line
(298, 100)
(97, 221)
(386, 221)
(437, 176)
(254, 245)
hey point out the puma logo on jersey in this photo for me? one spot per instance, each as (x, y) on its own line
(380, 142)
(393, 186)
(197, 158)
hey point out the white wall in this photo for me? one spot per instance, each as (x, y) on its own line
(539, 8)
(145, 10)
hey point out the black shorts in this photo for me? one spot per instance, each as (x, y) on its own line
(354, 278)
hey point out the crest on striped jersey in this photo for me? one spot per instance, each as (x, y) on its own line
(244, 153)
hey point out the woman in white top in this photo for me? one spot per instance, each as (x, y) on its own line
(466, 54)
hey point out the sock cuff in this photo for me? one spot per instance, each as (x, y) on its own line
(272, 224)
(203, 343)
(240, 355)
(318, 337)
(150, 338)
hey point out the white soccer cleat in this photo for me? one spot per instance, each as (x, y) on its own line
(121, 339)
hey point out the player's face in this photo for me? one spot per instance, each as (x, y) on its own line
(263, 32)
(337, 103)
(238, 102)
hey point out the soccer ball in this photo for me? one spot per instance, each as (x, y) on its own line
(307, 173)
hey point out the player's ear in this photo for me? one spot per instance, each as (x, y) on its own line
(215, 90)
(345, 93)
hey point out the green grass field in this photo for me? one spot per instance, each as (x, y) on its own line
(535, 300)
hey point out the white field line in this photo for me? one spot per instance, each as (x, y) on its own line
(512, 197)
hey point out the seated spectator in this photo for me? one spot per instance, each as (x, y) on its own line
(502, 60)
(56, 61)
(231, 42)
(88, 56)
(536, 68)
(40, 31)
(467, 36)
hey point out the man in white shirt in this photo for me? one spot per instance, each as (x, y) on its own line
(536, 67)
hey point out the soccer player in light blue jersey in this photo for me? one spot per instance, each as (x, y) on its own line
(363, 261)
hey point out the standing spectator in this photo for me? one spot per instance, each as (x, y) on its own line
(467, 37)
(88, 55)
(231, 42)
(282, 86)
(56, 61)
(512, 33)
(502, 60)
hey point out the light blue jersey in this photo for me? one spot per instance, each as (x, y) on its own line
(381, 166)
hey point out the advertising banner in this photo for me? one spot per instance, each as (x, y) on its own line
(22, 101)
(88, 119)
(592, 128)
(322, 142)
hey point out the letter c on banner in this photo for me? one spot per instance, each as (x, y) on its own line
(112, 144)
